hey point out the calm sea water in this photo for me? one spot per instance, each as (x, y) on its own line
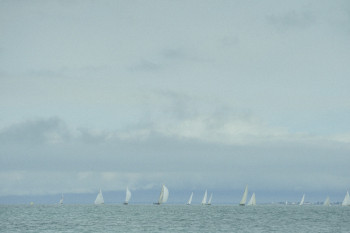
(173, 218)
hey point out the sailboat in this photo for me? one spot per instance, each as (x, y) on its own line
(127, 196)
(61, 200)
(99, 199)
(302, 200)
(346, 201)
(190, 200)
(326, 202)
(252, 200)
(163, 197)
(204, 200)
(209, 202)
(244, 198)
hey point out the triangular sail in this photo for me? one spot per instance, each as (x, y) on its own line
(160, 199)
(252, 200)
(326, 202)
(245, 194)
(127, 196)
(302, 200)
(99, 198)
(61, 200)
(204, 200)
(164, 194)
(190, 200)
(346, 200)
(211, 197)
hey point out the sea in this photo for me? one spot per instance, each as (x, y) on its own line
(173, 218)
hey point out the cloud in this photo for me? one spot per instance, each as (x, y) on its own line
(145, 65)
(291, 20)
(93, 136)
(197, 151)
(41, 131)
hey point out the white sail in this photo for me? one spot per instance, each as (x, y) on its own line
(346, 200)
(99, 198)
(245, 194)
(302, 200)
(211, 197)
(204, 201)
(61, 200)
(127, 196)
(252, 200)
(190, 200)
(326, 202)
(164, 194)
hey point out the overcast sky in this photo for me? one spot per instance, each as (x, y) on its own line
(193, 94)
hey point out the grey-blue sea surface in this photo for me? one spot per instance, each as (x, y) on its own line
(173, 218)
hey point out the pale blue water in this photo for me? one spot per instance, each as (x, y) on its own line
(173, 218)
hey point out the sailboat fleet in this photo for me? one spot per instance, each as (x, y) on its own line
(164, 195)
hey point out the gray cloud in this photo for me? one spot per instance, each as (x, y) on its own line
(43, 131)
(182, 160)
(145, 65)
(291, 19)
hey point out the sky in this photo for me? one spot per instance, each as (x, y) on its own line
(194, 94)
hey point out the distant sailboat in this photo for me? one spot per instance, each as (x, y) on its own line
(302, 200)
(346, 201)
(326, 202)
(252, 200)
(99, 199)
(190, 200)
(211, 197)
(244, 198)
(61, 200)
(163, 197)
(127, 196)
(204, 200)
